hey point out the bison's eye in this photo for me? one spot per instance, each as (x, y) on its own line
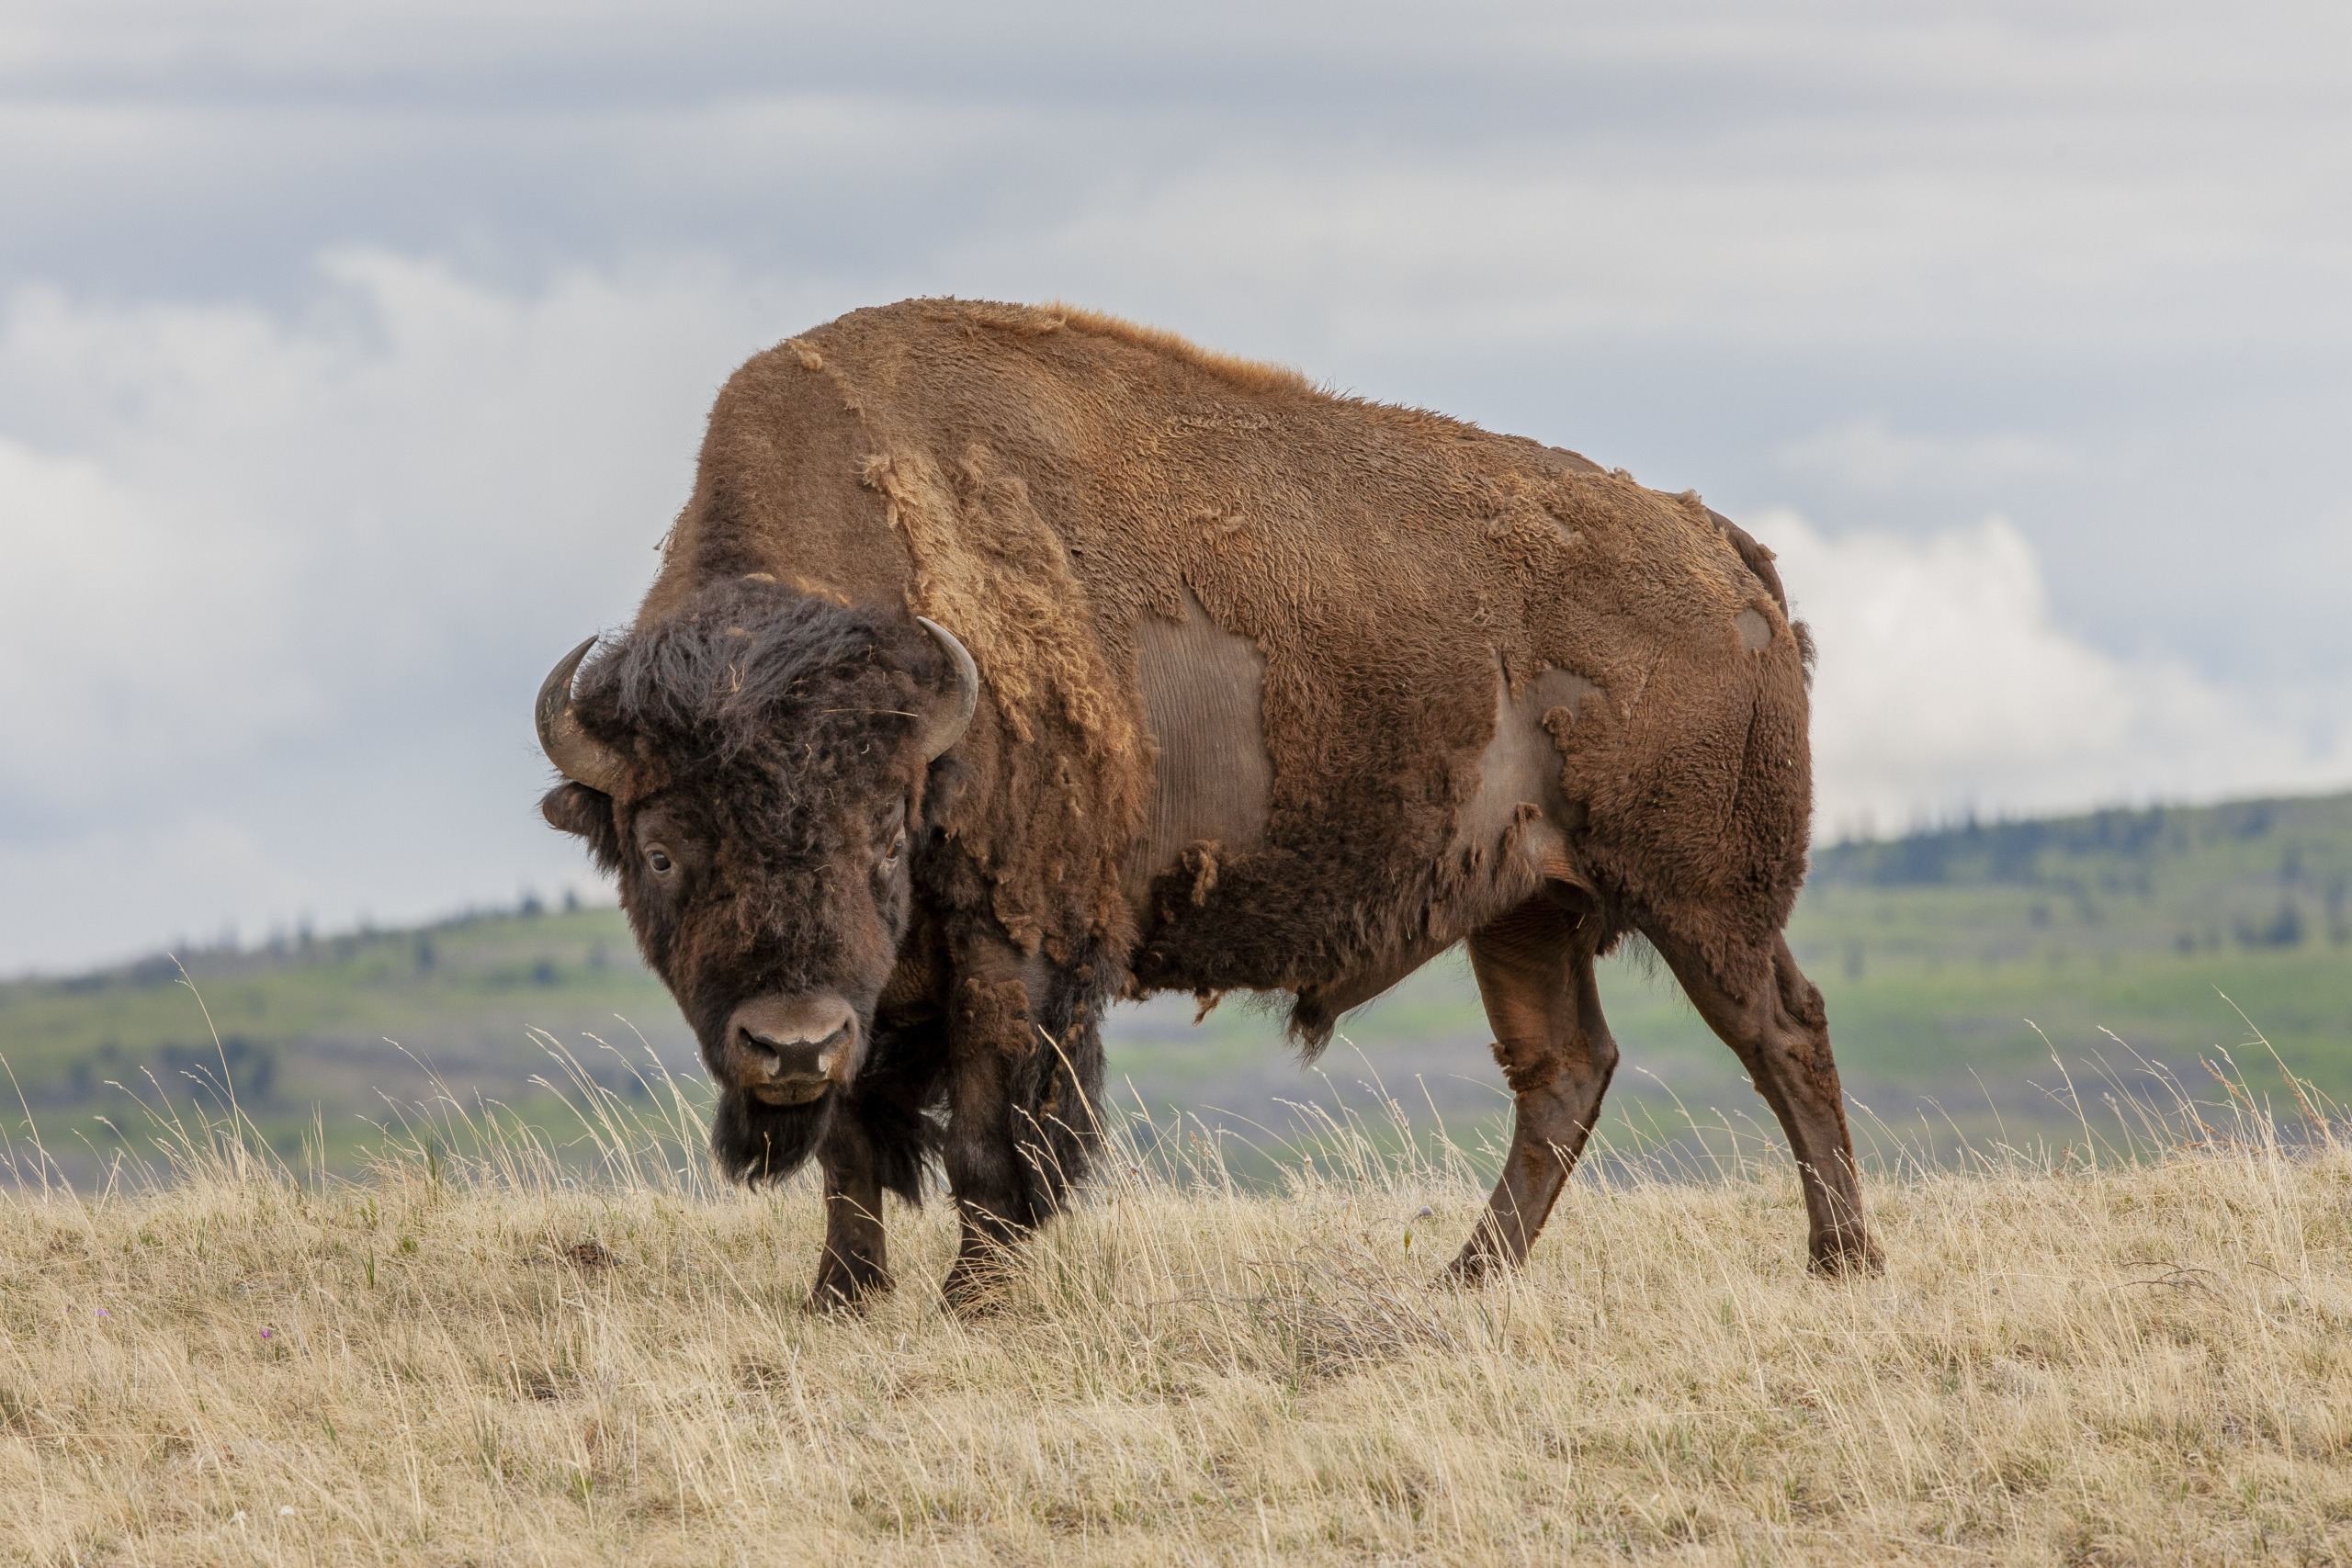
(897, 847)
(659, 860)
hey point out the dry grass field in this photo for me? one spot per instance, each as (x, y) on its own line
(482, 1355)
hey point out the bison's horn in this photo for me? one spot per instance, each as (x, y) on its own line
(949, 726)
(577, 755)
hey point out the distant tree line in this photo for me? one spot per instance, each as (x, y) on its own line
(179, 1071)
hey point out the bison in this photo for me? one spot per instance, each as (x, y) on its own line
(1006, 661)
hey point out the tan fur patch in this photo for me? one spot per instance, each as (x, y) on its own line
(816, 590)
(988, 569)
(1252, 375)
(1200, 861)
(998, 1012)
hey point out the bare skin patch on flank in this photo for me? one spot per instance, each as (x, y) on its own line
(1204, 690)
(1520, 769)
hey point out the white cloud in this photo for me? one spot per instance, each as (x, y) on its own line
(130, 637)
(1947, 685)
(227, 523)
(275, 590)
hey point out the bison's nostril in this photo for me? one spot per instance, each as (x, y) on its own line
(770, 1056)
(789, 1050)
(773, 1047)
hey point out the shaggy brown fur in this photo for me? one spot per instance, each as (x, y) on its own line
(1038, 480)
(1041, 481)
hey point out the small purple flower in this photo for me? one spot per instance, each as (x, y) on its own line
(100, 1311)
(264, 1333)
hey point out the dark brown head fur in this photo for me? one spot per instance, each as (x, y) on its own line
(763, 844)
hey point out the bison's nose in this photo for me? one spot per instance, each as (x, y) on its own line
(789, 1050)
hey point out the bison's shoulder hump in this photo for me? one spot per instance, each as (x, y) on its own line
(908, 320)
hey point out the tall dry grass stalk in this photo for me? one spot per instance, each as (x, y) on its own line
(497, 1349)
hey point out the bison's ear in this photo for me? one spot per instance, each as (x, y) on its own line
(576, 808)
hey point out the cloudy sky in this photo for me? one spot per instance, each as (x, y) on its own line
(352, 360)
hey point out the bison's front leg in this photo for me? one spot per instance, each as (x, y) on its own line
(1025, 1068)
(990, 1033)
(856, 1261)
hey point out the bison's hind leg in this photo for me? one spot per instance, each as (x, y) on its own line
(1772, 1018)
(1534, 973)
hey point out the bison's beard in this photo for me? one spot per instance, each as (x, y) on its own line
(756, 1143)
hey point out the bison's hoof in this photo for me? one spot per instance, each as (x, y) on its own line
(1477, 1266)
(1846, 1257)
(976, 1287)
(846, 1291)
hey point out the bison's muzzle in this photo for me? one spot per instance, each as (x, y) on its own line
(790, 1050)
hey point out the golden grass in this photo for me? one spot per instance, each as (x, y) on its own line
(484, 1360)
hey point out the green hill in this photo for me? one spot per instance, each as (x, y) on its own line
(336, 1033)
(1934, 951)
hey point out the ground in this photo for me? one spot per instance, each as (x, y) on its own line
(482, 1354)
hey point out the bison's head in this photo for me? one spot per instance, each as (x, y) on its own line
(756, 769)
